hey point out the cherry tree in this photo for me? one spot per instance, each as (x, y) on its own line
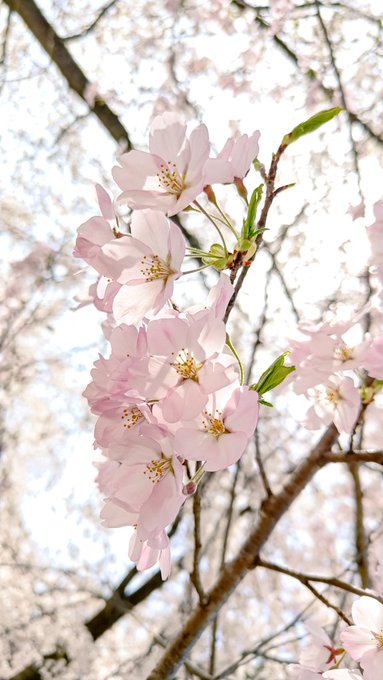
(237, 395)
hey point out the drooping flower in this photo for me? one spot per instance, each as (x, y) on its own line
(148, 480)
(171, 175)
(147, 552)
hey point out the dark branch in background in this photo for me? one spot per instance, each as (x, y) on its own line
(34, 672)
(76, 79)
(361, 558)
(223, 560)
(195, 575)
(341, 92)
(335, 582)
(310, 74)
(262, 471)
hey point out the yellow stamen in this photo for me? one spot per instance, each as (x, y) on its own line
(157, 469)
(170, 180)
(214, 424)
(379, 638)
(153, 268)
(186, 366)
(131, 416)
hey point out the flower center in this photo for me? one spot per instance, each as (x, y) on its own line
(333, 395)
(157, 469)
(379, 638)
(153, 268)
(170, 180)
(343, 352)
(186, 366)
(131, 416)
(213, 424)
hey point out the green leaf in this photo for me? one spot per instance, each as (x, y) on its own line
(273, 376)
(311, 125)
(248, 227)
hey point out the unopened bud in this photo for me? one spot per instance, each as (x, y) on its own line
(189, 489)
(210, 194)
(240, 187)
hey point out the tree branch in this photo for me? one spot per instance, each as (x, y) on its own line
(76, 79)
(233, 573)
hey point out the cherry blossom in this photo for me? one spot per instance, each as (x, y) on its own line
(321, 654)
(235, 159)
(220, 434)
(143, 484)
(338, 401)
(374, 360)
(148, 262)
(364, 640)
(146, 553)
(375, 235)
(171, 175)
(186, 364)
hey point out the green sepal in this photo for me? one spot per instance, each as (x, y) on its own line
(248, 226)
(310, 125)
(273, 376)
(216, 257)
(265, 403)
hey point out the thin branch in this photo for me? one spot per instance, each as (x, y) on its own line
(262, 471)
(94, 23)
(195, 575)
(356, 457)
(270, 178)
(222, 563)
(342, 94)
(360, 537)
(330, 581)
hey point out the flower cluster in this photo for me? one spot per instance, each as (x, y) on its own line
(329, 362)
(168, 400)
(363, 641)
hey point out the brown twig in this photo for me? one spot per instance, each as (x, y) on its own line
(330, 581)
(270, 178)
(262, 471)
(222, 563)
(195, 575)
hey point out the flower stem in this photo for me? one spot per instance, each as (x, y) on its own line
(240, 364)
(198, 269)
(203, 211)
